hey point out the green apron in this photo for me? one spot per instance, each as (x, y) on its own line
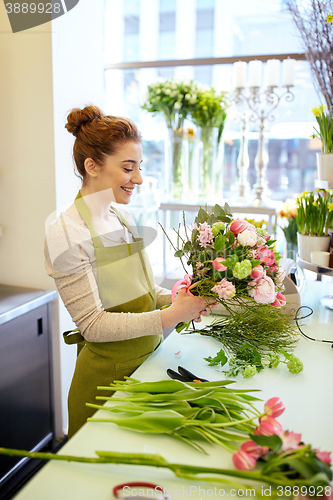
(125, 284)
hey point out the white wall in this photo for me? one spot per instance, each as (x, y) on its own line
(45, 71)
(78, 79)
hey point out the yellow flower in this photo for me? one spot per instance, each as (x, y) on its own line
(318, 110)
(330, 206)
(329, 18)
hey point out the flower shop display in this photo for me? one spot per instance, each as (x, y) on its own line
(178, 101)
(314, 219)
(236, 263)
(209, 115)
(288, 212)
(268, 455)
(175, 100)
(325, 134)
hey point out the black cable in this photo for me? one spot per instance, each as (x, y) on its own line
(303, 317)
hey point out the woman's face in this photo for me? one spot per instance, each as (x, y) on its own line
(121, 172)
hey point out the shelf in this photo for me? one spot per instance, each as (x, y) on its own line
(323, 184)
(327, 271)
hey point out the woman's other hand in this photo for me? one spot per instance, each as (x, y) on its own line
(186, 308)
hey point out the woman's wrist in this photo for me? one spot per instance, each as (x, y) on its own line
(169, 317)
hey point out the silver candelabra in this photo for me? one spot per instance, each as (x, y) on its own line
(260, 104)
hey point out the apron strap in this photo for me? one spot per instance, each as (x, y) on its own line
(87, 217)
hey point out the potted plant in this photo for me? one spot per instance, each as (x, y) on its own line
(314, 218)
(324, 132)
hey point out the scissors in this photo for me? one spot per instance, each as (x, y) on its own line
(184, 375)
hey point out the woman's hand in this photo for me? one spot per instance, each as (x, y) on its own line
(186, 308)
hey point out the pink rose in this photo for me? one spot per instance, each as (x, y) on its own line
(243, 461)
(265, 255)
(262, 290)
(258, 272)
(279, 301)
(217, 264)
(238, 226)
(247, 238)
(224, 289)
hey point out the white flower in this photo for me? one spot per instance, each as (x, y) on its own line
(247, 238)
(167, 91)
(279, 277)
(173, 93)
(187, 97)
(177, 105)
(180, 96)
(158, 91)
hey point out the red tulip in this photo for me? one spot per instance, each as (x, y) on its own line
(253, 449)
(238, 226)
(269, 426)
(280, 300)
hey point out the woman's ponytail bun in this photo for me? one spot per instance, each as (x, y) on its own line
(78, 117)
(98, 135)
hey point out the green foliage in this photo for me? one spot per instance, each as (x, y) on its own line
(325, 123)
(248, 361)
(315, 213)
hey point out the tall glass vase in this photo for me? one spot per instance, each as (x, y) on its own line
(175, 163)
(209, 170)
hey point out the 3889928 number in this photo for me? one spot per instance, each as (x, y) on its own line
(304, 491)
(33, 8)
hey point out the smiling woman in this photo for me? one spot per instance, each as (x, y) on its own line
(100, 265)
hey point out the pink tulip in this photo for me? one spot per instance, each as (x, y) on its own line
(265, 255)
(269, 426)
(290, 440)
(324, 456)
(262, 290)
(217, 264)
(274, 407)
(238, 226)
(243, 461)
(253, 449)
(280, 301)
(258, 272)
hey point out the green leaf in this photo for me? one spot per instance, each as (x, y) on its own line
(179, 253)
(220, 243)
(182, 326)
(202, 216)
(273, 442)
(270, 242)
(219, 358)
(254, 262)
(187, 246)
(231, 260)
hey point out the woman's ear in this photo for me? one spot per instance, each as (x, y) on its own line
(91, 167)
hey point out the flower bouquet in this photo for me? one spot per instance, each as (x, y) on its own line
(235, 262)
(315, 213)
(175, 99)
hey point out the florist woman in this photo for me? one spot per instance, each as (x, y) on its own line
(100, 266)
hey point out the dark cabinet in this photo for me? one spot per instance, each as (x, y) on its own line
(26, 415)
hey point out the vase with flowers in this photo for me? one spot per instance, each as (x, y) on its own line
(324, 132)
(209, 115)
(314, 218)
(288, 212)
(175, 100)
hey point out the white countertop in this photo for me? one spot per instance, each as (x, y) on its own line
(307, 397)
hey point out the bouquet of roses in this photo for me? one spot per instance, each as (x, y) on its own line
(236, 263)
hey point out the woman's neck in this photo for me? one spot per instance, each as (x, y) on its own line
(98, 201)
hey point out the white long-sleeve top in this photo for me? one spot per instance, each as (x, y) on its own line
(70, 259)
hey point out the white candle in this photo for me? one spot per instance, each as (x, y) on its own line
(239, 74)
(255, 73)
(288, 71)
(272, 73)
